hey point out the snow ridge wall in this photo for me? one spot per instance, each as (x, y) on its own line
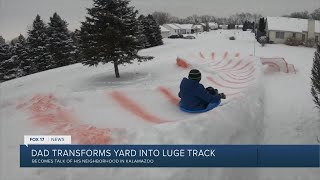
(154, 118)
(239, 121)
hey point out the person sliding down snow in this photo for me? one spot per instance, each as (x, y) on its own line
(193, 94)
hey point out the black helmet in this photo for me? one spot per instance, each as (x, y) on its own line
(195, 74)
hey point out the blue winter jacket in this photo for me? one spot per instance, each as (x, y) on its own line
(194, 96)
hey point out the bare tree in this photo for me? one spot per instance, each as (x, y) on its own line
(205, 18)
(238, 18)
(301, 15)
(316, 14)
(161, 17)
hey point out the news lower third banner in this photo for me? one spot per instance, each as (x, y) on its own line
(170, 156)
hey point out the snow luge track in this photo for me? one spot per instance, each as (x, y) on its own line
(237, 122)
(238, 78)
(141, 107)
(147, 113)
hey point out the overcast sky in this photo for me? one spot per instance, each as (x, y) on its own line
(17, 15)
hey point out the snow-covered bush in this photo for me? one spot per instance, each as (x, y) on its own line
(263, 40)
(315, 78)
(292, 41)
(310, 43)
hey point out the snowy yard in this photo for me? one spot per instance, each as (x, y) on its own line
(140, 108)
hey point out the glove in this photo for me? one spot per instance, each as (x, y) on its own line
(212, 91)
(222, 96)
(216, 91)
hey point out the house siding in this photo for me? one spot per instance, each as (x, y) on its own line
(188, 31)
(183, 31)
(172, 31)
(197, 28)
(309, 29)
(272, 36)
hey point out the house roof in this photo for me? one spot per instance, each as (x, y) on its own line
(178, 25)
(213, 24)
(290, 24)
(173, 26)
(185, 26)
(197, 26)
(163, 29)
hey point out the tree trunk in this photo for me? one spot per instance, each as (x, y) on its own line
(116, 69)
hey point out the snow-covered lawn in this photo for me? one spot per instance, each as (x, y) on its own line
(140, 108)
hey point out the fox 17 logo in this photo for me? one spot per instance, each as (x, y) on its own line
(35, 139)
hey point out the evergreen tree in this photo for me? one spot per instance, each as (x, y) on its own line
(156, 37)
(11, 68)
(2, 40)
(262, 25)
(38, 46)
(21, 51)
(61, 46)
(14, 41)
(4, 56)
(110, 34)
(18, 65)
(315, 90)
(245, 26)
(142, 29)
(75, 36)
(4, 50)
(151, 30)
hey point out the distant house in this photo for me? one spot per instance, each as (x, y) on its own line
(203, 24)
(185, 28)
(223, 26)
(213, 25)
(279, 29)
(174, 29)
(197, 28)
(165, 33)
(239, 26)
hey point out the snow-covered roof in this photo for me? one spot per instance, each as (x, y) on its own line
(185, 26)
(163, 29)
(290, 24)
(213, 24)
(178, 25)
(173, 26)
(197, 26)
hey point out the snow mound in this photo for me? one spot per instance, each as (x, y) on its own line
(278, 64)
